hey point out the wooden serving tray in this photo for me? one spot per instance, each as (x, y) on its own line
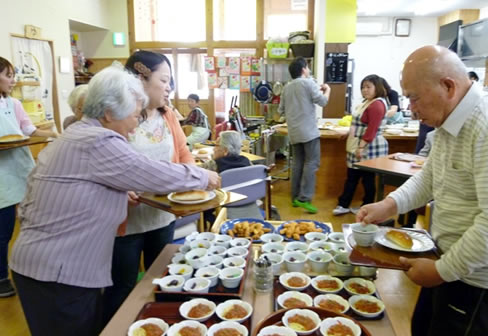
(275, 319)
(216, 293)
(162, 202)
(380, 256)
(169, 312)
(278, 289)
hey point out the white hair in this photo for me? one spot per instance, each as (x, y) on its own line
(76, 95)
(115, 90)
(231, 140)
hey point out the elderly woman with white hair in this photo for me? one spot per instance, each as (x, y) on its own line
(76, 100)
(76, 199)
(226, 156)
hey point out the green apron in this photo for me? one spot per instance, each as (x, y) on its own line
(15, 164)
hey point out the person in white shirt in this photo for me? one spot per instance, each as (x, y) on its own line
(454, 298)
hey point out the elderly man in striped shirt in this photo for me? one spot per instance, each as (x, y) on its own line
(454, 299)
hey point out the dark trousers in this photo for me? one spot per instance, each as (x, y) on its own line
(51, 308)
(453, 308)
(7, 223)
(352, 180)
(125, 264)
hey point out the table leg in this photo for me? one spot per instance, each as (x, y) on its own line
(201, 223)
(380, 190)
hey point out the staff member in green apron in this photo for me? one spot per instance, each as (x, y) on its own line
(15, 165)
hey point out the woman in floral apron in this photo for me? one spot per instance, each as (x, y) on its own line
(365, 141)
(161, 138)
(15, 165)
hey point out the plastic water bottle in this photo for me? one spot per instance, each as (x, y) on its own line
(263, 275)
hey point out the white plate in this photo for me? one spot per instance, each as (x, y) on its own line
(421, 242)
(211, 195)
(24, 138)
(410, 129)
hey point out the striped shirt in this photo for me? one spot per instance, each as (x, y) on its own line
(456, 177)
(77, 197)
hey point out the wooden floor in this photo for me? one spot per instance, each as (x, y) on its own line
(399, 293)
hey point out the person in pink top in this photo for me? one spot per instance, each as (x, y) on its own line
(15, 165)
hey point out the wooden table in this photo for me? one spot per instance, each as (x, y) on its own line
(31, 141)
(390, 172)
(333, 170)
(262, 302)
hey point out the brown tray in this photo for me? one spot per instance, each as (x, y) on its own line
(162, 202)
(275, 319)
(169, 312)
(380, 256)
(216, 293)
(278, 289)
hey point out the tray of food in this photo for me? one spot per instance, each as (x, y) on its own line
(296, 229)
(320, 254)
(355, 297)
(251, 228)
(206, 268)
(198, 317)
(309, 321)
(388, 245)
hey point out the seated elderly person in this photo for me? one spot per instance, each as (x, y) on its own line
(77, 197)
(76, 100)
(226, 156)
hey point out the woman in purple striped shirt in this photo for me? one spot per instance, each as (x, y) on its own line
(77, 197)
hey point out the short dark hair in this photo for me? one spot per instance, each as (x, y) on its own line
(194, 97)
(296, 67)
(377, 81)
(473, 75)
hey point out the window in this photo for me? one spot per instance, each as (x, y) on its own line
(282, 17)
(234, 20)
(192, 77)
(170, 20)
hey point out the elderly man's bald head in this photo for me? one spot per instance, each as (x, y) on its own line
(435, 80)
(433, 63)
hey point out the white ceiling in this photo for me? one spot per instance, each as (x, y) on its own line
(415, 7)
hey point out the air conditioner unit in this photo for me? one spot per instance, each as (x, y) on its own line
(374, 26)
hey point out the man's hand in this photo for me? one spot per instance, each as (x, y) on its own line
(422, 271)
(214, 180)
(325, 88)
(133, 198)
(377, 212)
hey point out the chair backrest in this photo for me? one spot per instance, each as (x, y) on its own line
(255, 191)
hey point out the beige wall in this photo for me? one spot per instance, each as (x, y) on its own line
(52, 16)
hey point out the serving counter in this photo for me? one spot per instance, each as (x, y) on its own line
(332, 172)
(262, 302)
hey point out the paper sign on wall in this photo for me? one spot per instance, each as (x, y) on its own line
(234, 66)
(256, 66)
(234, 82)
(245, 65)
(221, 61)
(209, 63)
(212, 80)
(222, 82)
(245, 83)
